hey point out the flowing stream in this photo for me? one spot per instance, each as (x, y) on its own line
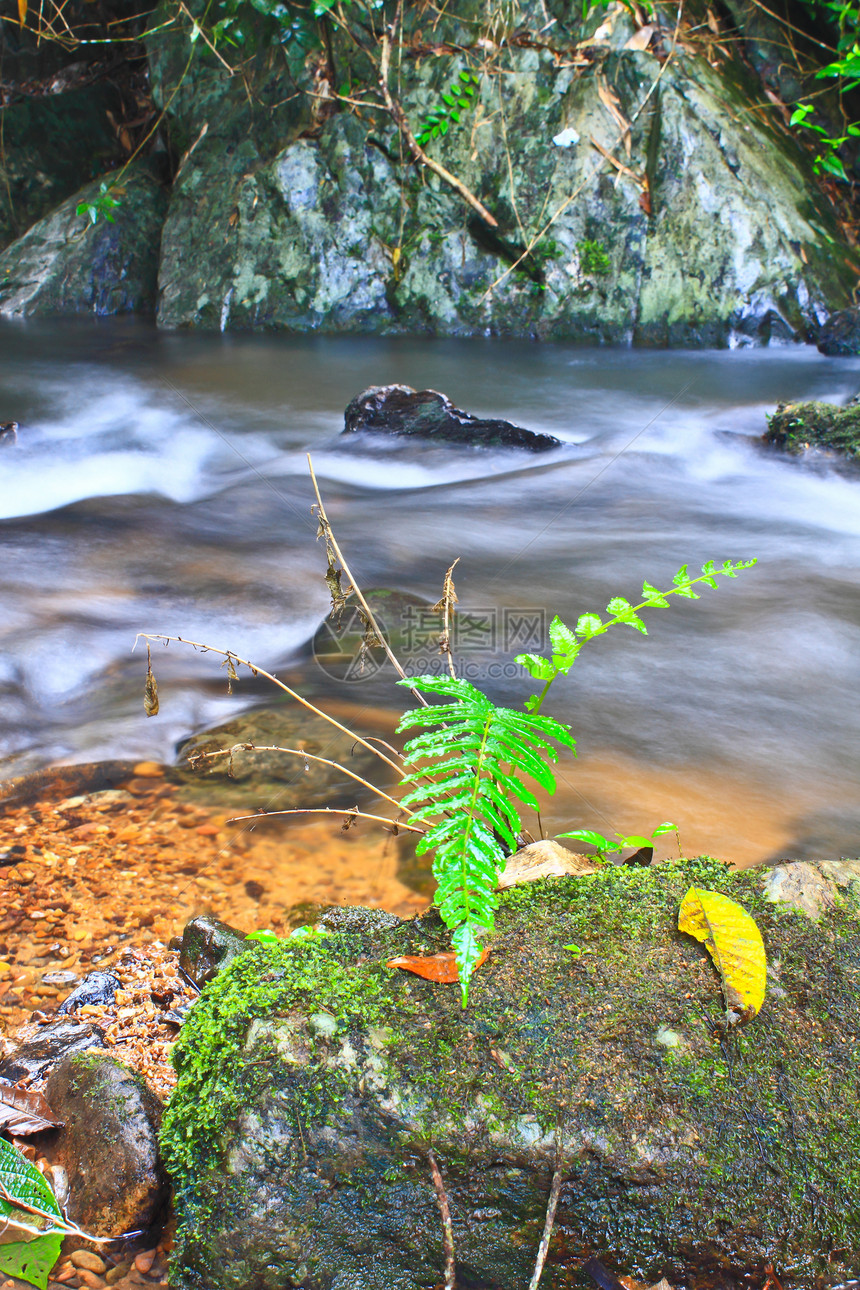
(160, 484)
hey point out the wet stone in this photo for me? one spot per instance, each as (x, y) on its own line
(426, 414)
(50, 1045)
(208, 945)
(109, 1147)
(96, 988)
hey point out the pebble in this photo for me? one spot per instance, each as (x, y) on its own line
(86, 1259)
(116, 1274)
(148, 770)
(144, 1261)
(87, 1278)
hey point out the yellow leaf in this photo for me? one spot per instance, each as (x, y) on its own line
(734, 943)
(22, 12)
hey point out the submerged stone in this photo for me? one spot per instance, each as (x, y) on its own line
(797, 427)
(401, 411)
(313, 1080)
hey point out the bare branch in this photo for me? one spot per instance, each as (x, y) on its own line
(346, 812)
(447, 1226)
(355, 589)
(196, 758)
(260, 671)
(543, 1248)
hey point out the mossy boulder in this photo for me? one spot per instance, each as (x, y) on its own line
(313, 1080)
(798, 427)
(65, 265)
(297, 216)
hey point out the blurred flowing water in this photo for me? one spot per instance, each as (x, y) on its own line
(160, 484)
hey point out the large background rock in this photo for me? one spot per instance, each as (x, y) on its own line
(313, 1080)
(327, 225)
(67, 265)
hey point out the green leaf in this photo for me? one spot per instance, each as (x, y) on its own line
(662, 829)
(655, 598)
(588, 625)
(682, 584)
(540, 668)
(593, 839)
(31, 1260)
(634, 840)
(561, 638)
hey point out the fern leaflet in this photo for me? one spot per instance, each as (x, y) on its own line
(467, 795)
(567, 643)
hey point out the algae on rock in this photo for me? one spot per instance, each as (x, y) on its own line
(312, 1081)
(797, 427)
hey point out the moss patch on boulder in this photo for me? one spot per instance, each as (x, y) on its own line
(797, 427)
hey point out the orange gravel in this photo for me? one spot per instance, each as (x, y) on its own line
(97, 874)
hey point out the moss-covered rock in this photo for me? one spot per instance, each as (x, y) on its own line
(797, 427)
(66, 265)
(288, 216)
(313, 1080)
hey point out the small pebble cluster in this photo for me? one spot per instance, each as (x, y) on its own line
(84, 1268)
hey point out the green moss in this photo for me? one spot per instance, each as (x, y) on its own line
(798, 426)
(593, 257)
(747, 1124)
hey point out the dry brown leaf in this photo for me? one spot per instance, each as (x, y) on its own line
(22, 12)
(433, 967)
(612, 103)
(150, 693)
(24, 1111)
(641, 39)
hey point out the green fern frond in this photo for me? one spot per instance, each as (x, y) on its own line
(567, 643)
(465, 768)
(460, 96)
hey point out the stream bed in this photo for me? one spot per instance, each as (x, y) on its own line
(160, 484)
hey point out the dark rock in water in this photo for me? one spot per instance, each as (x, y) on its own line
(96, 987)
(840, 335)
(64, 781)
(8, 433)
(312, 1079)
(208, 946)
(47, 1047)
(109, 1147)
(426, 414)
(797, 427)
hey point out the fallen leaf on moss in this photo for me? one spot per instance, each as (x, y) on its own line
(734, 943)
(433, 967)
